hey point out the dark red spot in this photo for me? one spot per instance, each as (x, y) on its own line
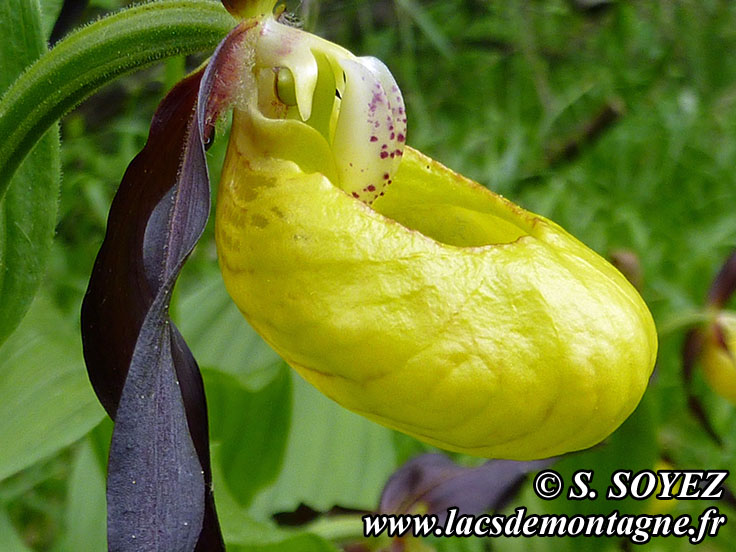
(371, 188)
(374, 138)
(384, 154)
(386, 176)
(401, 138)
(393, 153)
(391, 127)
(355, 194)
(381, 194)
(384, 146)
(389, 182)
(399, 153)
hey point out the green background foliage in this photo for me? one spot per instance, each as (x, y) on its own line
(28, 209)
(618, 123)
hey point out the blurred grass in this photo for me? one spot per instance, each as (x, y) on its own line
(618, 123)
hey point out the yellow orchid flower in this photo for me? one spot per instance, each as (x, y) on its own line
(402, 290)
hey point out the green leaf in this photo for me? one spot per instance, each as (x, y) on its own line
(85, 506)
(242, 533)
(217, 333)
(28, 210)
(92, 57)
(333, 457)
(251, 428)
(50, 10)
(11, 540)
(46, 401)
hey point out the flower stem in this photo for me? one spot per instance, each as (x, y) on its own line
(684, 320)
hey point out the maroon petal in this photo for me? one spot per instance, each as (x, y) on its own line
(432, 483)
(724, 283)
(159, 478)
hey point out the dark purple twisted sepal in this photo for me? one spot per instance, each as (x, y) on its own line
(159, 488)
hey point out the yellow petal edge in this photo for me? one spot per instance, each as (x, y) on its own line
(442, 310)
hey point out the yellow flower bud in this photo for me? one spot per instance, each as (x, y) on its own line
(719, 362)
(430, 305)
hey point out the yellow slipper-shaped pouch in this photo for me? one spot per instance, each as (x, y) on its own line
(402, 290)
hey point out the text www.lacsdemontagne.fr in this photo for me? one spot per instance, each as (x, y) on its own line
(638, 528)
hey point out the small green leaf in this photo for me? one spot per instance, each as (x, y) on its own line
(85, 507)
(28, 210)
(251, 428)
(46, 401)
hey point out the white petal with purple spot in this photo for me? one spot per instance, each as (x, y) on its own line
(366, 137)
